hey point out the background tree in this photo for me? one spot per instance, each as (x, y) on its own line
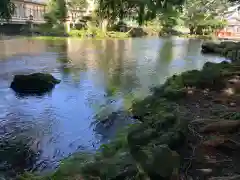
(6, 9)
(76, 8)
(109, 11)
(204, 15)
(112, 11)
(57, 12)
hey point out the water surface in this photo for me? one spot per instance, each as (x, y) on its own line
(98, 77)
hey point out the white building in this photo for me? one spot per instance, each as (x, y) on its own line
(233, 19)
(26, 10)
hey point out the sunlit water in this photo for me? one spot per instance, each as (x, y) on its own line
(98, 77)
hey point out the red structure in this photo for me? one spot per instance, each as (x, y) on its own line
(223, 33)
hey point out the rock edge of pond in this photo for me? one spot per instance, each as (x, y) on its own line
(228, 49)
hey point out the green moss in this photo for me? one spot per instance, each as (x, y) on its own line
(72, 167)
(152, 157)
(211, 77)
(78, 33)
(121, 164)
(16, 155)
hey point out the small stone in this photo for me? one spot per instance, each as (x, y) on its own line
(233, 81)
(232, 104)
(206, 105)
(206, 91)
(206, 171)
(229, 91)
(190, 91)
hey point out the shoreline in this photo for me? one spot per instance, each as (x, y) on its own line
(123, 37)
(188, 117)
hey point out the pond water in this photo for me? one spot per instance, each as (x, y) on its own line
(98, 77)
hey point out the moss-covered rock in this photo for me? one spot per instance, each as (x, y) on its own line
(210, 47)
(210, 77)
(36, 83)
(147, 144)
(159, 161)
(119, 166)
(170, 131)
(112, 161)
(16, 156)
(227, 49)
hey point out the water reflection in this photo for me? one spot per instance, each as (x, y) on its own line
(99, 77)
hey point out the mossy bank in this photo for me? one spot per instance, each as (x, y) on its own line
(174, 129)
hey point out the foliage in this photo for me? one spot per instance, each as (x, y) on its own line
(115, 10)
(6, 9)
(203, 16)
(71, 168)
(77, 33)
(76, 8)
(56, 30)
(56, 14)
(55, 18)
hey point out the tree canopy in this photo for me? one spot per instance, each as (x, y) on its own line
(141, 10)
(6, 9)
(198, 15)
(76, 9)
(201, 15)
(57, 12)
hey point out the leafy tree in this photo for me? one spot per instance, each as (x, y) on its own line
(204, 15)
(111, 11)
(6, 9)
(57, 12)
(76, 8)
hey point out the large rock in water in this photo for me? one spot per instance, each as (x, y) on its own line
(211, 47)
(36, 83)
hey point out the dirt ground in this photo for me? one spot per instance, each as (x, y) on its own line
(212, 149)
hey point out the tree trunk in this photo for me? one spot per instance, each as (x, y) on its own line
(67, 26)
(73, 25)
(104, 25)
(191, 29)
(199, 30)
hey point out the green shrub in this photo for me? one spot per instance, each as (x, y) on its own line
(97, 33)
(49, 30)
(77, 33)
